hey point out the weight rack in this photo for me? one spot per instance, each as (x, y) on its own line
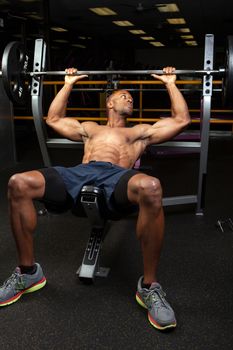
(45, 143)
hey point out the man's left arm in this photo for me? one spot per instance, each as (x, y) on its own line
(168, 127)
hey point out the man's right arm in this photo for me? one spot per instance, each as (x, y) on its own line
(167, 128)
(67, 127)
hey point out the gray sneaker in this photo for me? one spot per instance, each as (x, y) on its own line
(18, 284)
(160, 313)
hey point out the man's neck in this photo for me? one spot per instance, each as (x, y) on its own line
(116, 122)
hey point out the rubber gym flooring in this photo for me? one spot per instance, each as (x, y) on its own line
(195, 269)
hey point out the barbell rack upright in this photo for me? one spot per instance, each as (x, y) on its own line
(36, 99)
(205, 109)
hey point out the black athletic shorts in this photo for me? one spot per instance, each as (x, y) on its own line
(63, 185)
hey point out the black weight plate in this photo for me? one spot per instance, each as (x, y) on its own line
(227, 87)
(14, 67)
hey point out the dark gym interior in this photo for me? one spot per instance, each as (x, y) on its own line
(195, 268)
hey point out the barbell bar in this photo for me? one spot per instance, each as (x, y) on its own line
(16, 74)
(129, 72)
(125, 72)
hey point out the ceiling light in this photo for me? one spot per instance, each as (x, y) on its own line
(35, 17)
(102, 11)
(147, 38)
(191, 43)
(79, 45)
(29, 12)
(123, 23)
(176, 20)
(187, 37)
(183, 30)
(84, 37)
(59, 29)
(156, 43)
(60, 41)
(137, 31)
(167, 7)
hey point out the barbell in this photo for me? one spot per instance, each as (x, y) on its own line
(16, 75)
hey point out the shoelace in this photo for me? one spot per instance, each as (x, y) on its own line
(13, 279)
(157, 297)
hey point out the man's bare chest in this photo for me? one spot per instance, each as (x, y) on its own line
(116, 136)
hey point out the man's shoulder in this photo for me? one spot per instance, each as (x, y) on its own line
(89, 123)
(140, 127)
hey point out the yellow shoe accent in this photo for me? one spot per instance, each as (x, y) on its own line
(140, 302)
(36, 286)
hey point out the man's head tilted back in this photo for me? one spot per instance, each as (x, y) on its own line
(120, 102)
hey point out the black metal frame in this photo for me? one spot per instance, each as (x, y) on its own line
(92, 200)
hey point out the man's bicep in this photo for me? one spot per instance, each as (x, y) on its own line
(164, 130)
(69, 128)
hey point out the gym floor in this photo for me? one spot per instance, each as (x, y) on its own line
(195, 268)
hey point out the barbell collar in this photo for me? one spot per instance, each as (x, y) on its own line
(126, 72)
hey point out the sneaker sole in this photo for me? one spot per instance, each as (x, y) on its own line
(32, 288)
(151, 320)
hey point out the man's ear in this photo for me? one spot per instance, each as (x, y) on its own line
(109, 104)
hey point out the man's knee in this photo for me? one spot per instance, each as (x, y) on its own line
(22, 185)
(149, 191)
(17, 185)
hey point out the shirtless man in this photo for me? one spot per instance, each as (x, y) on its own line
(110, 152)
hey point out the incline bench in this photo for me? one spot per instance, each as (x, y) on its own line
(92, 202)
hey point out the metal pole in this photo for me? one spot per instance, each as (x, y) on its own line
(36, 94)
(127, 72)
(205, 124)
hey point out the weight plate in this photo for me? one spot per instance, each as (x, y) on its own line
(227, 86)
(14, 66)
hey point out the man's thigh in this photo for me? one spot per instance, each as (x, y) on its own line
(121, 199)
(56, 198)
